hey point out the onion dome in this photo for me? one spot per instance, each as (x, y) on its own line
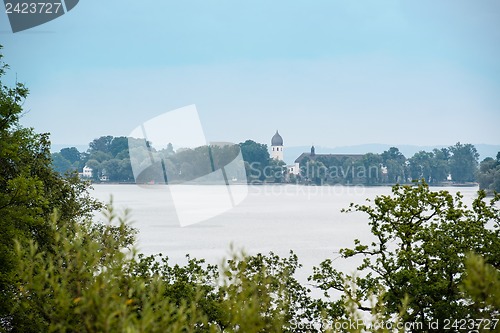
(277, 140)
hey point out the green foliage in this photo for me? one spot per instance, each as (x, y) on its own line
(372, 165)
(102, 144)
(276, 172)
(431, 166)
(482, 287)
(314, 171)
(391, 167)
(463, 162)
(94, 282)
(30, 190)
(72, 154)
(109, 156)
(256, 157)
(489, 174)
(394, 161)
(439, 165)
(252, 293)
(266, 287)
(192, 164)
(116, 169)
(420, 165)
(421, 241)
(84, 286)
(60, 164)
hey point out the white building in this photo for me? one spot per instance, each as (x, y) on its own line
(277, 146)
(293, 169)
(276, 152)
(87, 172)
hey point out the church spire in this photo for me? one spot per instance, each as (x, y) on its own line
(277, 140)
(277, 146)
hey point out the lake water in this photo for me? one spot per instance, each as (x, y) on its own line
(278, 218)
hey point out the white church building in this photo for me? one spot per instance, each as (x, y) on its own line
(277, 146)
(276, 152)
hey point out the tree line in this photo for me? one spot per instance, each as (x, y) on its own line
(110, 157)
(434, 262)
(489, 174)
(457, 163)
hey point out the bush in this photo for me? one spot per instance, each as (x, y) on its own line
(422, 241)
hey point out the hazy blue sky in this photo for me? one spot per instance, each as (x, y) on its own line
(329, 72)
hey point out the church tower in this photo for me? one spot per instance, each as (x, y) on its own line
(277, 146)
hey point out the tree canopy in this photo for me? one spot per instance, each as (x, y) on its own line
(418, 257)
(489, 174)
(109, 157)
(30, 190)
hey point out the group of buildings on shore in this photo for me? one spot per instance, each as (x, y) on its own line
(277, 152)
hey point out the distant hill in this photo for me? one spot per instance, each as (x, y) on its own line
(291, 153)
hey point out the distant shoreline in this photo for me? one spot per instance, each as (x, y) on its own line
(283, 184)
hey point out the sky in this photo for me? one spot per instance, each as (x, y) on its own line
(325, 72)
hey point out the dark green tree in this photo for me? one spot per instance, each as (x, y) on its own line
(30, 190)
(125, 171)
(119, 145)
(463, 162)
(277, 171)
(312, 170)
(482, 288)
(489, 174)
(99, 156)
(439, 165)
(61, 164)
(394, 161)
(102, 144)
(109, 156)
(71, 154)
(222, 155)
(116, 170)
(421, 240)
(256, 157)
(348, 170)
(111, 169)
(371, 164)
(420, 166)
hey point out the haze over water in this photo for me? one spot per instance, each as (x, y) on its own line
(278, 218)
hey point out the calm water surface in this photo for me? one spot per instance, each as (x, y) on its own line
(280, 218)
